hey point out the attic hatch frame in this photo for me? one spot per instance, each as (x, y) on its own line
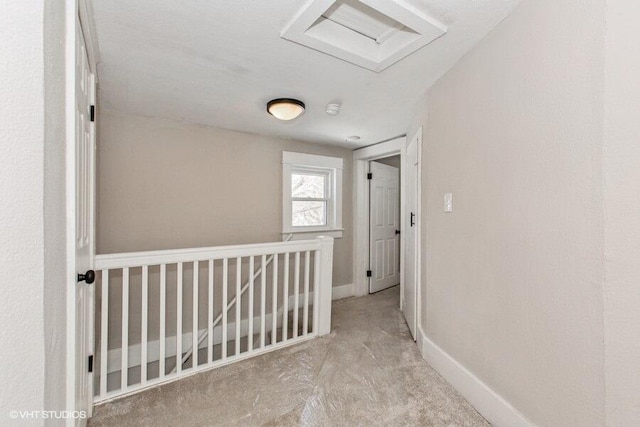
(417, 29)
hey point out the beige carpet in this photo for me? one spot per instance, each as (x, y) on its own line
(367, 372)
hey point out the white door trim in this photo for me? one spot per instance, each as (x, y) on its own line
(361, 159)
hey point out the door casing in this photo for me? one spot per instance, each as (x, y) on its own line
(361, 159)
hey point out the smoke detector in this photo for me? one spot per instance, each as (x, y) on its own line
(333, 109)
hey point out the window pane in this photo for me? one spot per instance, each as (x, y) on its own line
(308, 214)
(312, 186)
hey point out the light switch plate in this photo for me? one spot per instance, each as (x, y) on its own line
(448, 202)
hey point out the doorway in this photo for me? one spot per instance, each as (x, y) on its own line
(409, 221)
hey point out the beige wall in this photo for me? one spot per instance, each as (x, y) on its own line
(622, 213)
(514, 275)
(164, 184)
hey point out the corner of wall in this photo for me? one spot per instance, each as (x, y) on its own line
(490, 404)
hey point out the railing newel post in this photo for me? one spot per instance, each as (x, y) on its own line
(325, 285)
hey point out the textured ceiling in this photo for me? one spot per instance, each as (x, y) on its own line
(218, 62)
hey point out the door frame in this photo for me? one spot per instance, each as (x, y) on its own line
(361, 159)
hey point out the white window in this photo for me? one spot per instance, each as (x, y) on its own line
(311, 194)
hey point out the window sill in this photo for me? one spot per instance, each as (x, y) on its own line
(336, 233)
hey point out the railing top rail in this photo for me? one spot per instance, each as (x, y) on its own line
(138, 259)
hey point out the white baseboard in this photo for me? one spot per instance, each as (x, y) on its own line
(340, 292)
(491, 405)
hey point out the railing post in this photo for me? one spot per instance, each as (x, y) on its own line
(324, 286)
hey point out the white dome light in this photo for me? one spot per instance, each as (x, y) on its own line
(285, 108)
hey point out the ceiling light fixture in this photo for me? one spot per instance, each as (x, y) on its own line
(333, 109)
(353, 138)
(285, 108)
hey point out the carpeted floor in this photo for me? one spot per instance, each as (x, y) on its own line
(368, 371)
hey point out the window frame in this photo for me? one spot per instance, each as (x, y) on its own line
(331, 167)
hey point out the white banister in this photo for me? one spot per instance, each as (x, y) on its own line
(147, 336)
(124, 367)
(305, 311)
(263, 300)
(225, 307)
(194, 311)
(179, 319)
(252, 279)
(104, 332)
(238, 306)
(296, 294)
(285, 301)
(163, 318)
(174, 256)
(144, 322)
(324, 285)
(210, 317)
(274, 301)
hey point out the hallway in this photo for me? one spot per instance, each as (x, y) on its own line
(368, 371)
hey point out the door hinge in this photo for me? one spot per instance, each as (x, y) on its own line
(369, 176)
(369, 273)
(91, 363)
(92, 113)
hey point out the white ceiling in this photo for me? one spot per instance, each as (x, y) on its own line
(218, 62)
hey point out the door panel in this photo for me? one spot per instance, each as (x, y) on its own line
(384, 221)
(409, 306)
(84, 154)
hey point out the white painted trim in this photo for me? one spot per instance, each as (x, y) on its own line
(70, 195)
(172, 256)
(333, 167)
(312, 160)
(313, 234)
(361, 159)
(498, 411)
(341, 292)
(381, 150)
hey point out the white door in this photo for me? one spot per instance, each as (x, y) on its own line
(384, 221)
(409, 297)
(83, 168)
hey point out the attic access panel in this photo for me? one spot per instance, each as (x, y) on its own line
(373, 34)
